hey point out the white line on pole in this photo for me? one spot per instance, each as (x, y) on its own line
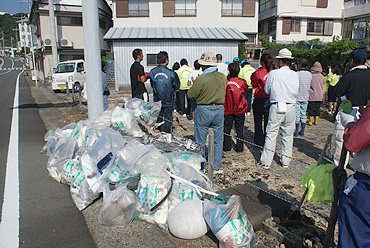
(9, 225)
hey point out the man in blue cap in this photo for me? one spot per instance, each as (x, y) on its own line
(355, 86)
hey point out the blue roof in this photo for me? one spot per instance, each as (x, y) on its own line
(183, 33)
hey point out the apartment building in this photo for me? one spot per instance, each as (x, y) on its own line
(289, 21)
(183, 28)
(68, 28)
(24, 33)
(356, 14)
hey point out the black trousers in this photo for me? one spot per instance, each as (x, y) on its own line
(314, 108)
(166, 115)
(239, 127)
(261, 108)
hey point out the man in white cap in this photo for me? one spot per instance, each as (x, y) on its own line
(283, 85)
(209, 91)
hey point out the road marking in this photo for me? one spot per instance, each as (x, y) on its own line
(9, 225)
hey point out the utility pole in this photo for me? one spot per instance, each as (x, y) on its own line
(54, 49)
(33, 55)
(92, 57)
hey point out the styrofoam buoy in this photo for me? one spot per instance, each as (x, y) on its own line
(186, 220)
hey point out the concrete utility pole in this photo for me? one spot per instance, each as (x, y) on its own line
(54, 49)
(33, 55)
(92, 57)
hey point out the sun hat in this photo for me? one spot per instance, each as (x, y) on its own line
(317, 67)
(284, 54)
(208, 58)
(236, 59)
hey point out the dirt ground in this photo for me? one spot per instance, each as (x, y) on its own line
(240, 168)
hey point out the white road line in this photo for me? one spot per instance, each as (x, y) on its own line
(2, 62)
(9, 225)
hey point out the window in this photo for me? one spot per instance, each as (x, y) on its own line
(138, 8)
(315, 27)
(251, 38)
(359, 29)
(295, 26)
(272, 26)
(151, 59)
(232, 7)
(266, 4)
(80, 67)
(320, 27)
(185, 8)
(359, 2)
(311, 3)
(102, 24)
(69, 20)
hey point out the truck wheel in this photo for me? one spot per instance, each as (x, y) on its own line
(56, 91)
(77, 87)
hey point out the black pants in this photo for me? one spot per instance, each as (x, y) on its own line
(239, 127)
(313, 108)
(183, 109)
(261, 108)
(166, 115)
(248, 97)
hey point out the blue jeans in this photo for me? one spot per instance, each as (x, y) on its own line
(248, 97)
(210, 116)
(166, 115)
(300, 112)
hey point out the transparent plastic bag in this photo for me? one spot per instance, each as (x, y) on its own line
(70, 168)
(103, 120)
(148, 112)
(124, 120)
(153, 157)
(119, 171)
(133, 151)
(153, 187)
(82, 196)
(190, 158)
(132, 103)
(229, 223)
(65, 149)
(118, 207)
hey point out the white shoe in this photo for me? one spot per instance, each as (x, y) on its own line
(174, 111)
(184, 115)
(191, 122)
(248, 113)
(217, 172)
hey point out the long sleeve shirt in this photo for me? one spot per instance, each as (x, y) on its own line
(258, 81)
(283, 85)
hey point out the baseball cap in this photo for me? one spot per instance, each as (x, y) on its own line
(236, 59)
(358, 54)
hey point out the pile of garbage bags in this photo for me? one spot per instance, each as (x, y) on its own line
(141, 177)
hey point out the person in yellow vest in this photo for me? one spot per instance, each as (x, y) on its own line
(246, 73)
(183, 73)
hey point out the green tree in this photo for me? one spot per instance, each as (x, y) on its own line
(241, 50)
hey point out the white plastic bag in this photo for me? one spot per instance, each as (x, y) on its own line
(82, 196)
(148, 111)
(124, 120)
(119, 171)
(118, 207)
(230, 224)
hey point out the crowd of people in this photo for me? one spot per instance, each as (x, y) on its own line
(219, 96)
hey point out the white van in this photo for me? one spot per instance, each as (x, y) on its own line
(72, 71)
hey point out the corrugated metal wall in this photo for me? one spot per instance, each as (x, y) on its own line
(191, 50)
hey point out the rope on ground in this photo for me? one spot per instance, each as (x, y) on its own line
(247, 142)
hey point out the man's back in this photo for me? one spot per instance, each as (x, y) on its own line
(246, 73)
(183, 74)
(283, 85)
(355, 85)
(164, 82)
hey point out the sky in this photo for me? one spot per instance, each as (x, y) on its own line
(14, 6)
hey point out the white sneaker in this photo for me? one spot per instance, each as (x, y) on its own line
(191, 122)
(248, 113)
(217, 172)
(184, 115)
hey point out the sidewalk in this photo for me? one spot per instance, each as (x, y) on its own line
(257, 204)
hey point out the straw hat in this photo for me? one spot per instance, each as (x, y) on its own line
(208, 58)
(284, 54)
(316, 67)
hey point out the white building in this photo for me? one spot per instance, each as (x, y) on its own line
(69, 30)
(183, 28)
(289, 21)
(24, 33)
(356, 23)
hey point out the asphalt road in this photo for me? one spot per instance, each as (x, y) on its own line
(35, 211)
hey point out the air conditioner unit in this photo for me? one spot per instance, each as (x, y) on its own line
(337, 37)
(47, 42)
(66, 43)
